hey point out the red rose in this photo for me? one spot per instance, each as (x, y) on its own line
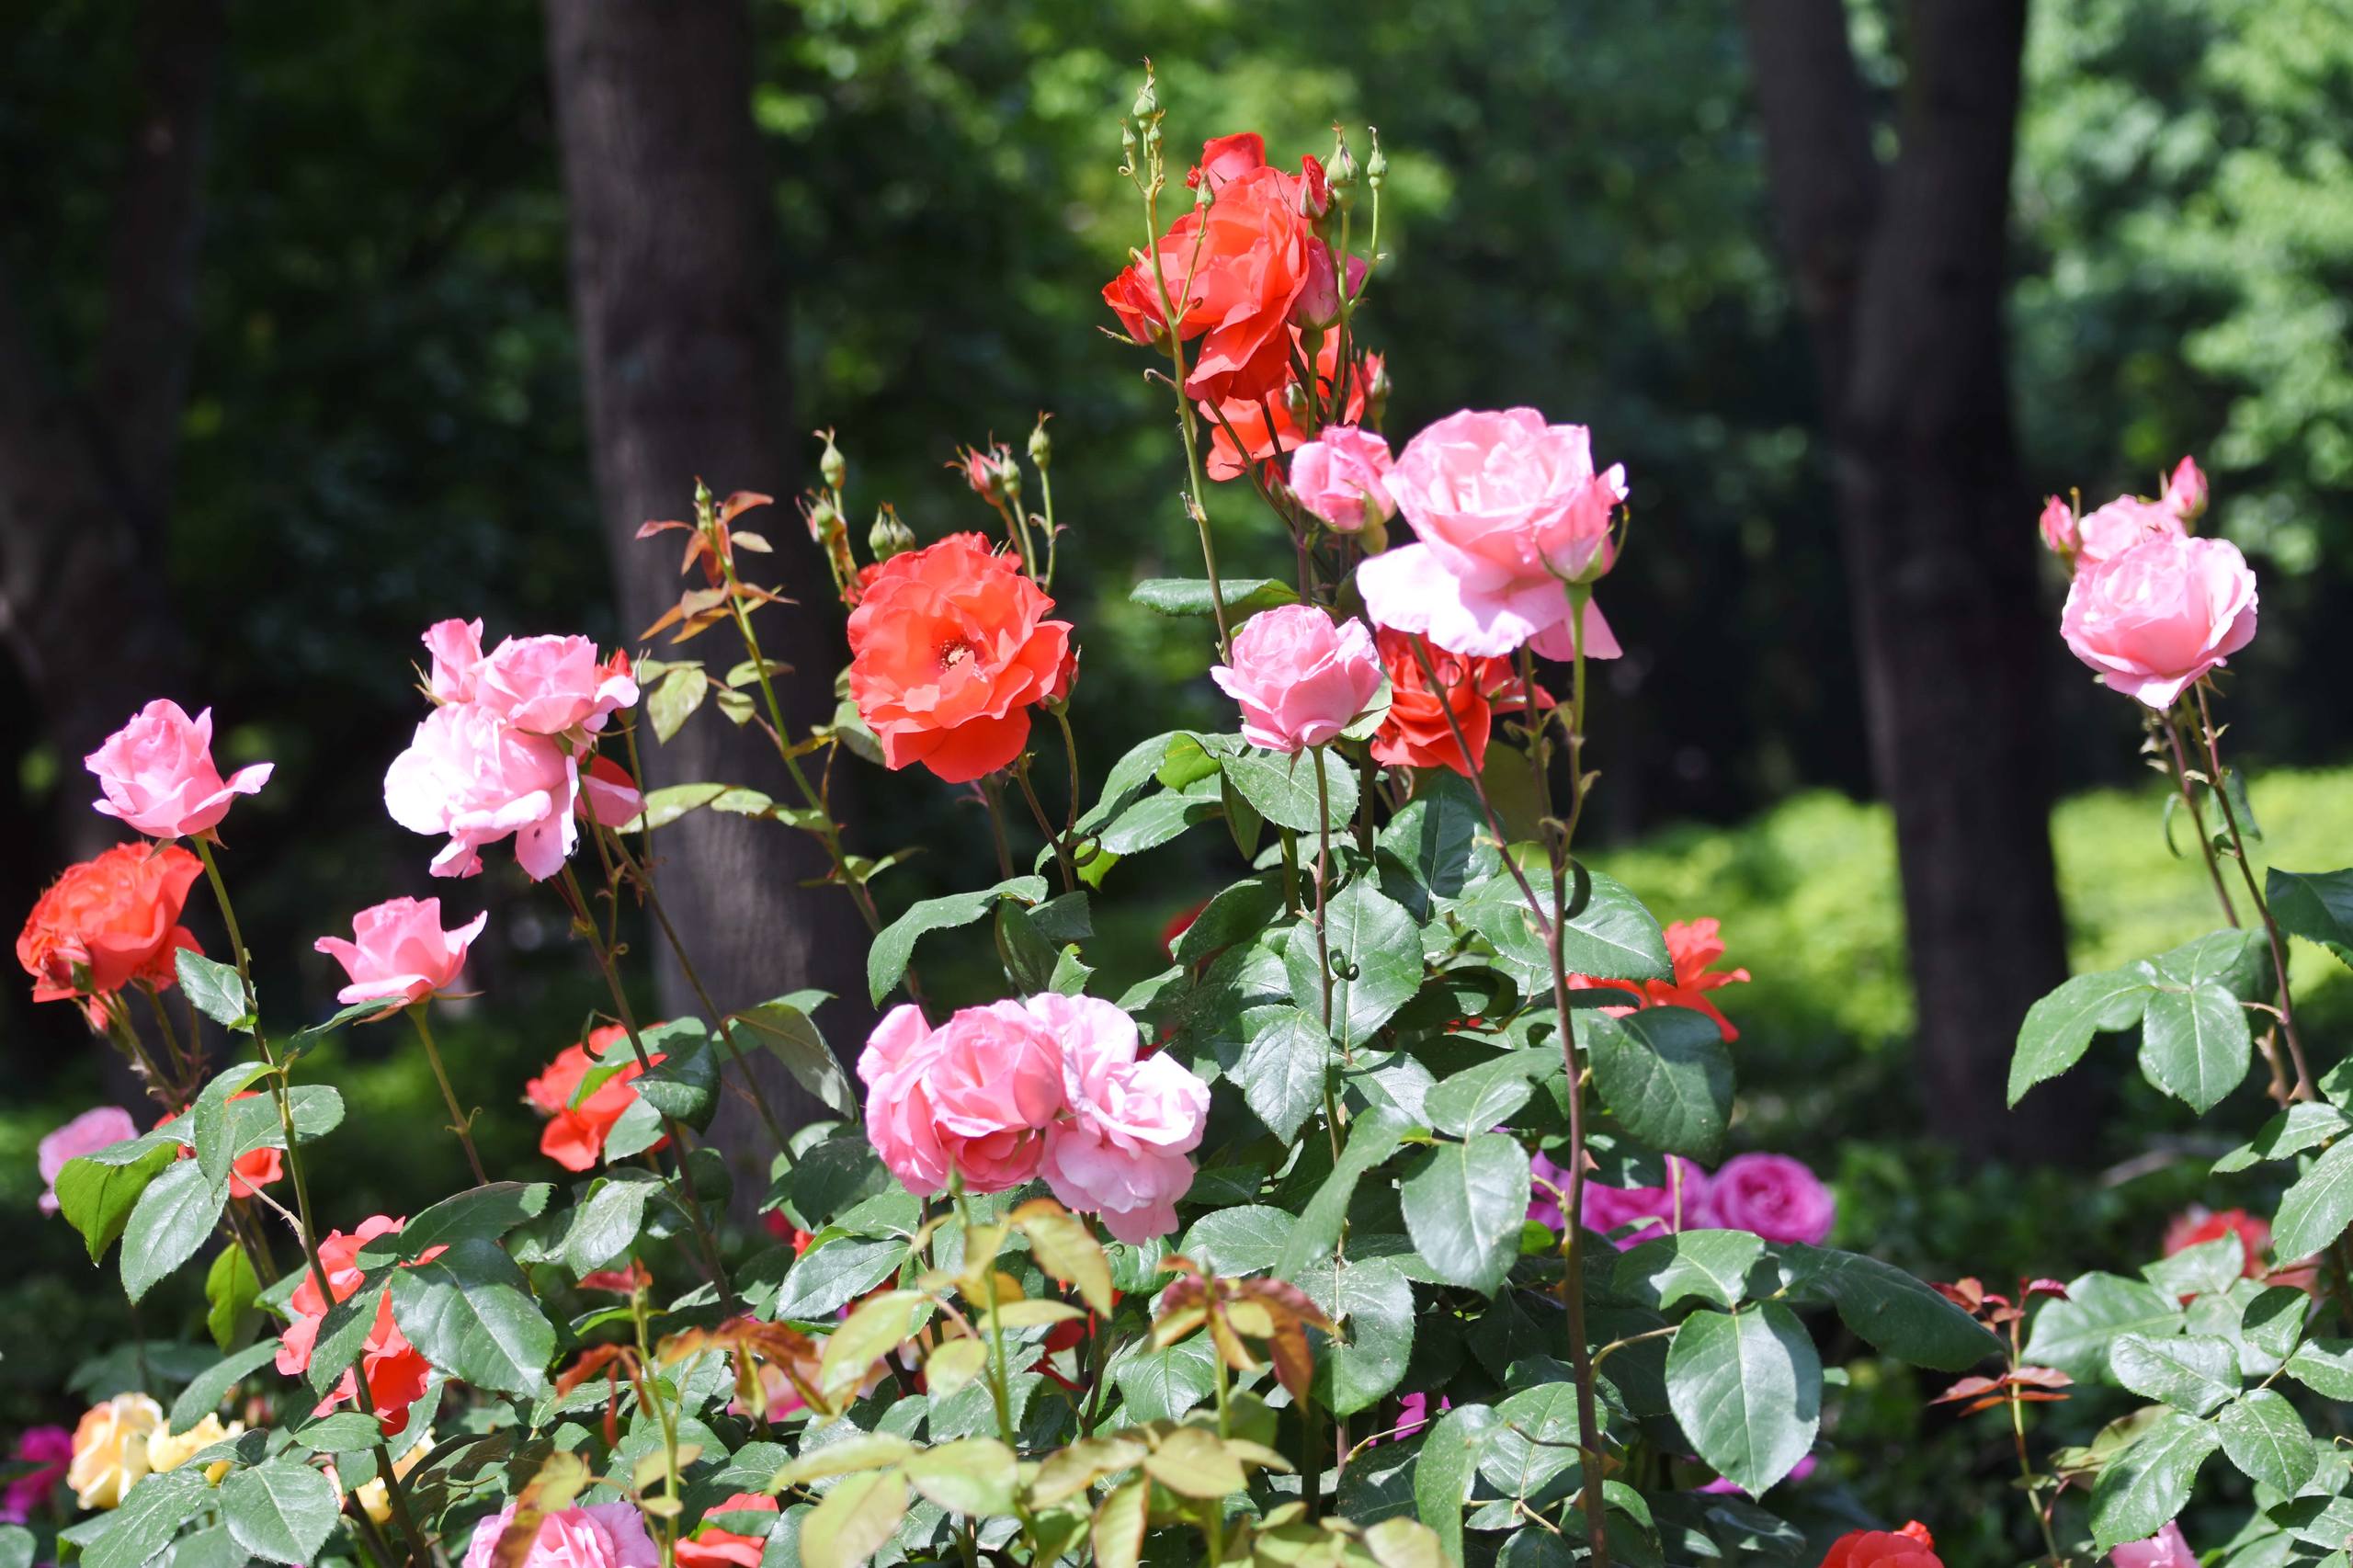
(949, 645)
(574, 1135)
(116, 918)
(711, 1547)
(1415, 733)
(1911, 1547)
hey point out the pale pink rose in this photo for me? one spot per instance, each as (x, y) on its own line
(2128, 520)
(455, 648)
(1680, 1205)
(599, 1535)
(1299, 679)
(1508, 509)
(547, 686)
(2059, 525)
(157, 773)
(2156, 618)
(2166, 1549)
(2186, 491)
(1341, 476)
(471, 775)
(1126, 1150)
(1772, 1195)
(974, 1095)
(402, 955)
(86, 1134)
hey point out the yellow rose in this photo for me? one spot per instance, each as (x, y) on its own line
(110, 1449)
(377, 1502)
(166, 1450)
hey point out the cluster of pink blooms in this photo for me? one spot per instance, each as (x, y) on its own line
(1774, 1195)
(2152, 607)
(1051, 1086)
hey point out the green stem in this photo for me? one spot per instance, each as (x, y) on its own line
(2305, 1088)
(1197, 497)
(667, 1523)
(993, 794)
(460, 1121)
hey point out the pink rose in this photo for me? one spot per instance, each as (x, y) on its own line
(471, 775)
(547, 686)
(2058, 525)
(157, 773)
(2124, 522)
(1680, 1205)
(1508, 509)
(2166, 1549)
(1299, 679)
(455, 648)
(402, 955)
(599, 1535)
(2186, 491)
(974, 1095)
(2154, 618)
(1341, 476)
(1720, 1487)
(1772, 1195)
(1125, 1151)
(50, 1450)
(86, 1134)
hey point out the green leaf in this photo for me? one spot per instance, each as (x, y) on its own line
(667, 804)
(1890, 1310)
(2325, 1367)
(17, 1547)
(151, 1515)
(207, 1391)
(345, 1432)
(1238, 914)
(1746, 1389)
(1448, 1465)
(1161, 1385)
(2267, 1440)
(231, 1292)
(2315, 905)
(1440, 841)
(1610, 936)
(1665, 1074)
(2307, 1124)
(481, 1213)
(1464, 1205)
(1376, 962)
(1248, 1240)
(684, 1084)
(887, 960)
(2196, 1373)
(96, 1195)
(214, 990)
(674, 698)
(2149, 1482)
(2315, 1210)
(2195, 1045)
(175, 1214)
(1481, 1098)
(2073, 1335)
(829, 1277)
(2237, 960)
(1028, 956)
(216, 1142)
(280, 1510)
(1696, 1266)
(1242, 597)
(2059, 1028)
(471, 1314)
(785, 1028)
(2271, 1322)
(1373, 1303)
(853, 1520)
(606, 1223)
(974, 1475)
(1372, 1138)
(345, 1329)
(2206, 1270)
(1534, 1440)
(1284, 1069)
(1154, 821)
(1283, 790)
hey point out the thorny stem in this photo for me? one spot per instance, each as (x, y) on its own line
(460, 1122)
(1045, 826)
(992, 792)
(2189, 802)
(1197, 497)
(1323, 857)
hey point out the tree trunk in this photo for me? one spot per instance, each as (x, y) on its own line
(679, 303)
(1902, 278)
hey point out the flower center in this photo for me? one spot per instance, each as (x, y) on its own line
(956, 653)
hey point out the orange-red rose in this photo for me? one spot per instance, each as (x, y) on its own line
(115, 918)
(1911, 1547)
(1248, 416)
(396, 1370)
(574, 1135)
(949, 645)
(1416, 733)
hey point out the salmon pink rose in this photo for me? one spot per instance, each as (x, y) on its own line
(574, 1135)
(100, 1127)
(1299, 679)
(714, 1545)
(2166, 1549)
(1125, 1151)
(1341, 477)
(949, 646)
(108, 923)
(1507, 510)
(157, 773)
(469, 773)
(401, 954)
(1773, 1195)
(974, 1096)
(396, 1369)
(2155, 619)
(1415, 730)
(2058, 526)
(455, 647)
(1911, 1547)
(594, 1535)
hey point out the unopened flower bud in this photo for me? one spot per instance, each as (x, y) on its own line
(1376, 393)
(1318, 306)
(1042, 446)
(1147, 104)
(888, 536)
(824, 522)
(832, 465)
(1376, 168)
(1374, 538)
(1341, 174)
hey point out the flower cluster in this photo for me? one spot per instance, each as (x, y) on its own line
(395, 1371)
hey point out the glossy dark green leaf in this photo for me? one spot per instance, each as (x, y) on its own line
(1449, 1464)
(1242, 597)
(1664, 1074)
(1373, 1303)
(151, 1515)
(209, 1388)
(2149, 1482)
(2194, 1372)
(174, 1216)
(2267, 1440)
(281, 1510)
(1695, 1265)
(2195, 1044)
(1375, 962)
(1890, 1310)
(214, 990)
(2073, 1335)
(1463, 1205)
(2315, 905)
(2317, 1208)
(1372, 1138)
(895, 947)
(2059, 1028)
(1283, 791)
(1746, 1389)
(471, 1314)
(97, 1196)
(1285, 1068)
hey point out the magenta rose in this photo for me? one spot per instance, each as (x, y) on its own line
(1680, 1205)
(2166, 1549)
(1507, 510)
(401, 954)
(1125, 1149)
(86, 1134)
(471, 775)
(598, 1535)
(2154, 618)
(1342, 477)
(157, 773)
(974, 1096)
(50, 1449)
(1299, 679)
(1774, 1195)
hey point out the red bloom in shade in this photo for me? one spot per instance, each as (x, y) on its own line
(116, 918)
(1249, 416)
(949, 645)
(253, 1171)
(1181, 923)
(574, 1135)
(1415, 731)
(1911, 1547)
(1693, 946)
(2197, 1227)
(710, 1546)
(785, 1229)
(396, 1369)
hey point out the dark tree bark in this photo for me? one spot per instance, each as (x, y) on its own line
(1901, 275)
(679, 303)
